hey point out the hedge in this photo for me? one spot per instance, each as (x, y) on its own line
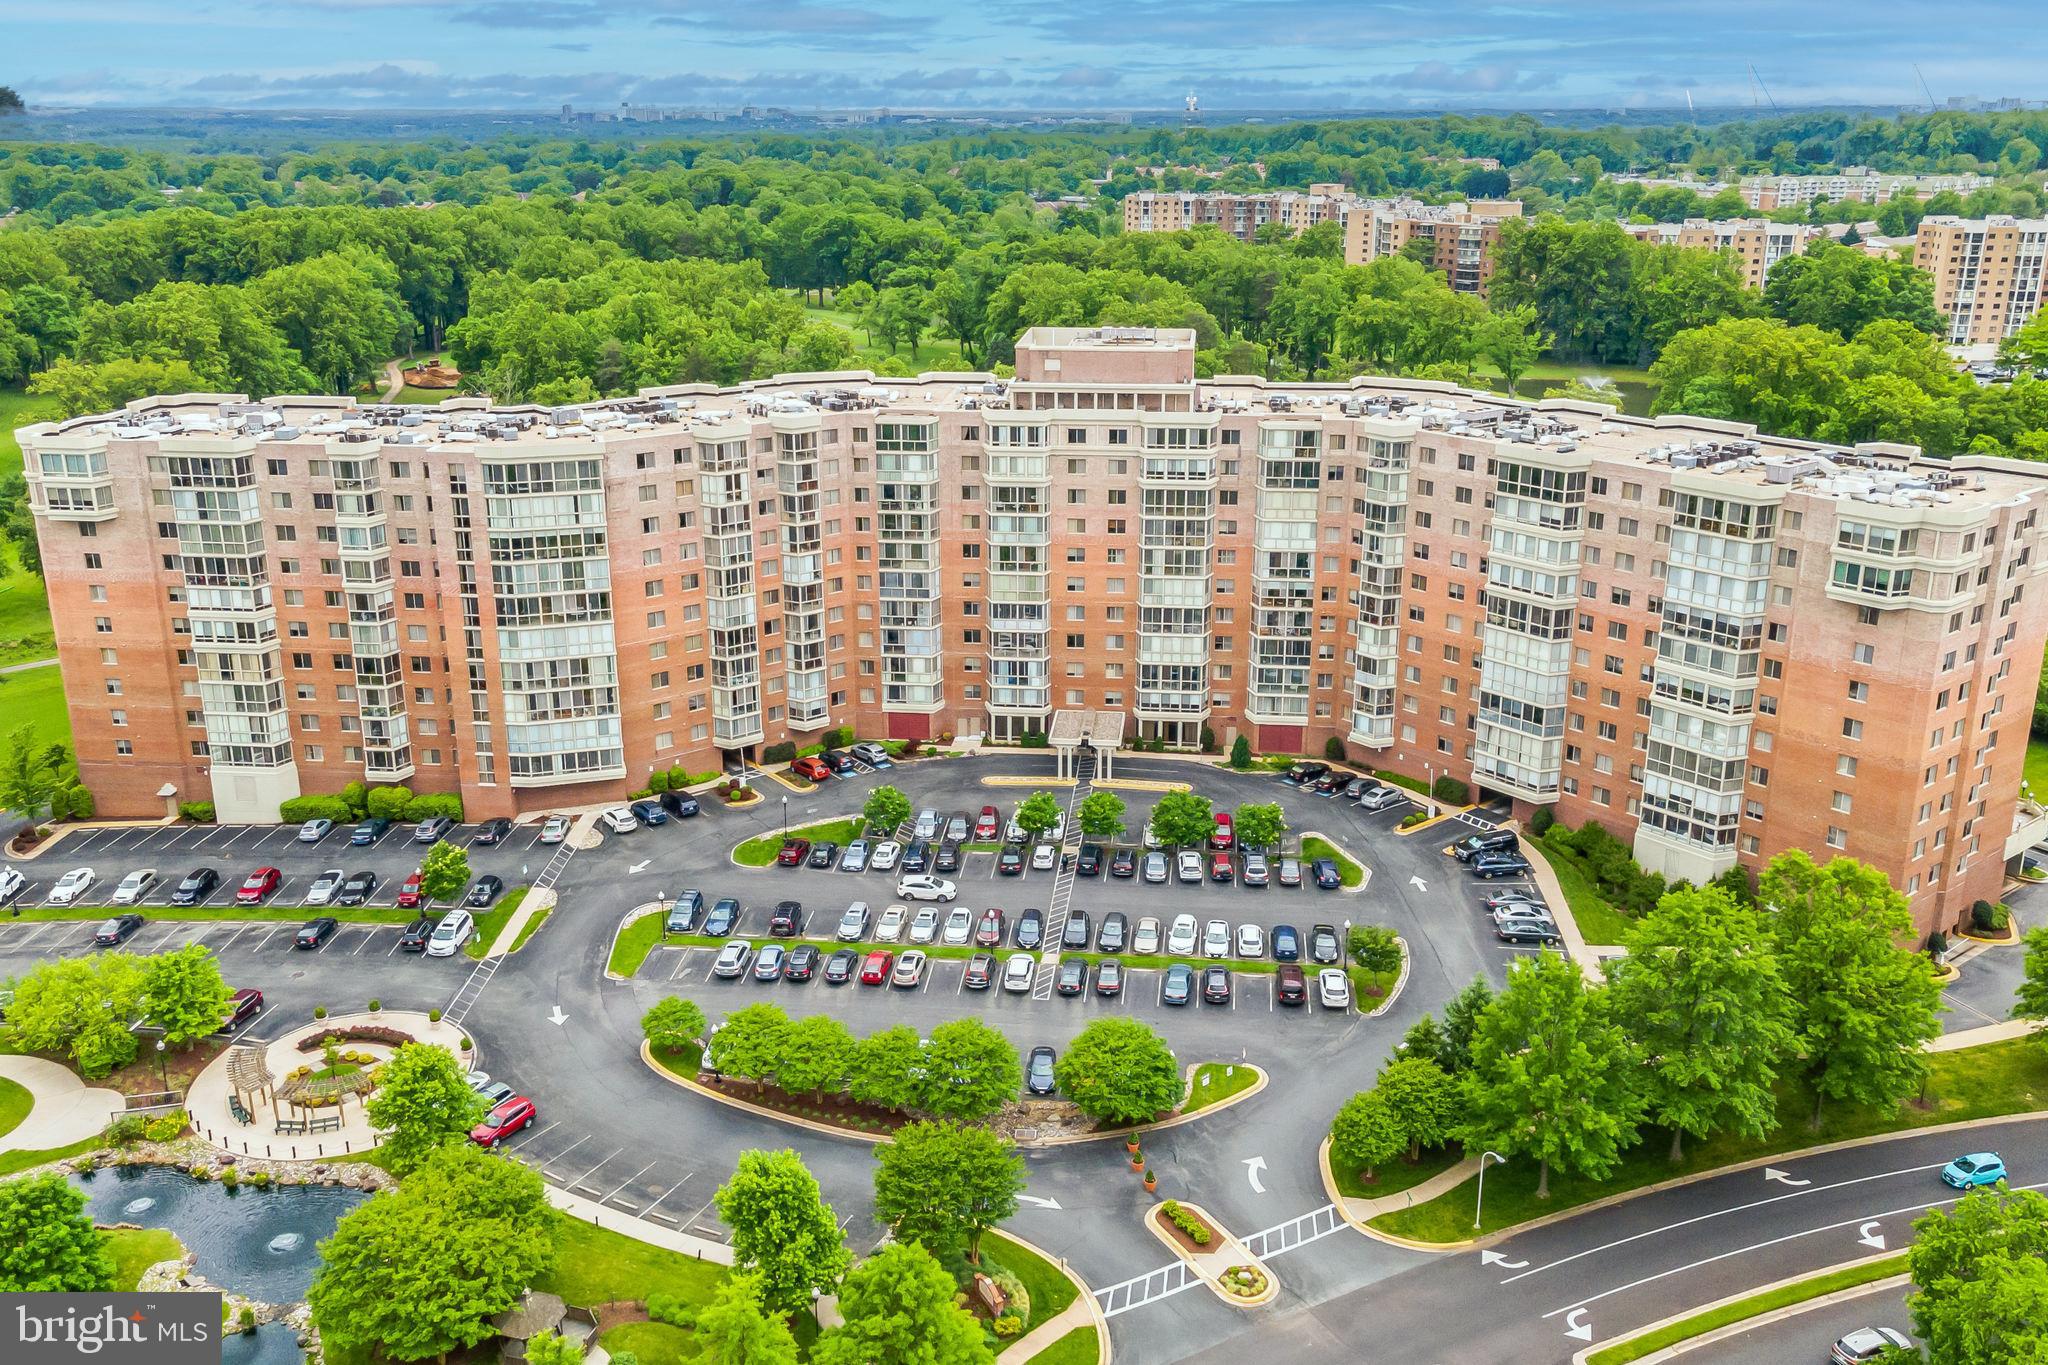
(784, 752)
(197, 812)
(392, 803)
(1451, 791)
(300, 809)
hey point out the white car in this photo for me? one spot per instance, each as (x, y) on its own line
(925, 927)
(455, 929)
(1043, 857)
(11, 883)
(925, 888)
(959, 924)
(890, 928)
(1334, 989)
(1180, 939)
(132, 886)
(1145, 942)
(1150, 840)
(927, 826)
(324, 887)
(72, 886)
(1018, 970)
(1188, 865)
(620, 820)
(1013, 833)
(886, 855)
(1058, 833)
(853, 923)
(313, 831)
(1251, 941)
(1216, 938)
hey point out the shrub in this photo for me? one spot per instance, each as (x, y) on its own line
(784, 752)
(248, 1320)
(1033, 739)
(466, 1044)
(196, 812)
(375, 1004)
(300, 809)
(165, 1127)
(1208, 740)
(434, 1016)
(126, 1129)
(840, 737)
(1186, 1222)
(1241, 752)
(78, 803)
(657, 781)
(1450, 790)
(1990, 917)
(1414, 818)
(230, 1177)
(434, 803)
(1541, 821)
(1937, 944)
(671, 1309)
(640, 795)
(319, 1011)
(1333, 749)
(388, 802)
(1007, 1326)
(358, 798)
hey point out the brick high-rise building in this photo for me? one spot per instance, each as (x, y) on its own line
(1240, 215)
(1860, 183)
(1460, 237)
(1988, 273)
(1757, 243)
(1718, 644)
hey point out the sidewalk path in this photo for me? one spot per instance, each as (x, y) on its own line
(536, 902)
(394, 380)
(1575, 944)
(1360, 1211)
(31, 664)
(66, 1109)
(1977, 1037)
(1077, 1314)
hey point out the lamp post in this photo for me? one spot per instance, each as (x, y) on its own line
(162, 1067)
(1480, 1200)
(785, 817)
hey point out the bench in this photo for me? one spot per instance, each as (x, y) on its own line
(235, 1107)
(331, 1123)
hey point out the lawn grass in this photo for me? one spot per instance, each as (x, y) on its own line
(1397, 1175)
(1600, 920)
(761, 851)
(1050, 1289)
(1799, 1291)
(931, 353)
(25, 631)
(685, 1061)
(596, 1265)
(2008, 1077)
(491, 922)
(2035, 771)
(653, 1343)
(35, 698)
(19, 409)
(14, 1162)
(1078, 1347)
(15, 1102)
(1348, 872)
(137, 1249)
(1216, 1082)
(538, 918)
(634, 943)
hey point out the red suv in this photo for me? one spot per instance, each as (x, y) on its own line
(502, 1122)
(409, 893)
(793, 852)
(257, 885)
(1225, 833)
(1220, 869)
(985, 826)
(812, 768)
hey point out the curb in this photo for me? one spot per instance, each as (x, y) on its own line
(1086, 1294)
(1443, 813)
(1364, 869)
(1239, 1255)
(637, 913)
(2012, 934)
(1407, 960)
(1141, 784)
(732, 854)
(1339, 1199)
(1000, 780)
(1761, 1319)
(1254, 1088)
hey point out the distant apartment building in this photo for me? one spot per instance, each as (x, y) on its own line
(1767, 192)
(1757, 242)
(1718, 644)
(1240, 215)
(1460, 236)
(1987, 272)
(1706, 189)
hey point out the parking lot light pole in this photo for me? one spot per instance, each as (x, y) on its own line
(163, 1069)
(785, 817)
(1478, 1201)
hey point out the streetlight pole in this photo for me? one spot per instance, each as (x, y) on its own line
(1481, 1199)
(162, 1067)
(785, 817)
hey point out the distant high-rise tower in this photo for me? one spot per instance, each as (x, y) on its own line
(1193, 107)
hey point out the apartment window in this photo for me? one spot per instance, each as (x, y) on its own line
(1837, 837)
(1860, 691)
(123, 748)
(1842, 803)
(1845, 766)
(1852, 728)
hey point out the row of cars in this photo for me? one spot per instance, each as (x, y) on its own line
(841, 763)
(1324, 780)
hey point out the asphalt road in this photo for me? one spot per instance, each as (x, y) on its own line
(1807, 1336)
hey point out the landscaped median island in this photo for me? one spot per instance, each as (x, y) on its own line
(490, 922)
(1349, 872)
(760, 851)
(1215, 1082)
(1749, 1306)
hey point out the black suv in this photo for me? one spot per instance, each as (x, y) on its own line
(1486, 841)
(415, 936)
(1075, 935)
(1090, 862)
(1030, 929)
(197, 886)
(947, 859)
(788, 920)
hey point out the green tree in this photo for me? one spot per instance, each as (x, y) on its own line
(1510, 338)
(1843, 290)
(339, 311)
(183, 994)
(1038, 813)
(10, 103)
(899, 1310)
(1241, 753)
(1982, 1277)
(422, 1101)
(1708, 1009)
(1422, 1099)
(672, 1024)
(1425, 1039)
(32, 775)
(1375, 947)
(886, 1067)
(970, 1071)
(1101, 815)
(81, 1006)
(1182, 819)
(751, 1043)
(551, 1348)
(1552, 1074)
(734, 1329)
(1861, 1004)
(942, 1185)
(1461, 1022)
(2027, 349)
(80, 388)
(1260, 825)
(884, 810)
(1365, 1134)
(444, 872)
(782, 1229)
(1119, 1071)
(816, 1053)
(48, 1244)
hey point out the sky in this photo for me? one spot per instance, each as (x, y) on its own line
(1303, 55)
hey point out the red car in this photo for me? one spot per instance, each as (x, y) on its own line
(812, 768)
(257, 885)
(1220, 869)
(1225, 833)
(985, 825)
(988, 933)
(793, 852)
(409, 893)
(875, 971)
(502, 1122)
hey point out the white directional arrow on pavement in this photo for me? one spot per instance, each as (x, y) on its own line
(558, 1017)
(1773, 1173)
(1576, 1327)
(1495, 1258)
(1252, 1166)
(1869, 1237)
(1418, 883)
(638, 867)
(1052, 1204)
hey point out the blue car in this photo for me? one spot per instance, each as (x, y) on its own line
(1978, 1168)
(650, 812)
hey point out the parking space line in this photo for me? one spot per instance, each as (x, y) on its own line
(628, 1180)
(240, 929)
(669, 1191)
(566, 1150)
(578, 1182)
(691, 1221)
(368, 939)
(266, 939)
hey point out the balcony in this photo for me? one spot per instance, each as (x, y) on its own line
(79, 501)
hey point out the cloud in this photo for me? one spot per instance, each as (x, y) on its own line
(1488, 78)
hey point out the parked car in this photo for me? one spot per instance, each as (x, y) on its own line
(682, 805)
(1323, 944)
(1074, 934)
(985, 825)
(981, 970)
(1490, 865)
(917, 857)
(433, 829)
(1115, 928)
(886, 855)
(1251, 941)
(486, 890)
(619, 820)
(768, 962)
(408, 892)
(1145, 941)
(1498, 899)
(493, 832)
(840, 762)
(1215, 985)
(793, 852)
(1519, 909)
(787, 920)
(1149, 837)
(1089, 863)
(724, 917)
(1257, 871)
(683, 912)
(959, 927)
(1290, 986)
(924, 925)
(1180, 937)
(1333, 988)
(1038, 1071)
(1188, 865)
(946, 858)
(649, 812)
(1030, 929)
(1220, 867)
(244, 1005)
(854, 857)
(1018, 971)
(957, 827)
(1527, 929)
(1379, 798)
(926, 826)
(1224, 835)
(890, 928)
(1329, 782)
(196, 886)
(368, 832)
(72, 886)
(824, 853)
(1216, 938)
(1978, 1168)
(455, 929)
(1286, 943)
(1486, 841)
(909, 972)
(839, 967)
(732, 959)
(1123, 863)
(801, 964)
(811, 769)
(356, 888)
(1155, 868)
(988, 930)
(1306, 772)
(926, 889)
(116, 931)
(872, 754)
(1073, 976)
(316, 932)
(1866, 1344)
(1178, 987)
(503, 1121)
(853, 923)
(11, 884)
(413, 938)
(321, 892)
(133, 886)
(1287, 872)
(314, 830)
(1044, 857)
(554, 829)
(1326, 875)
(1109, 977)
